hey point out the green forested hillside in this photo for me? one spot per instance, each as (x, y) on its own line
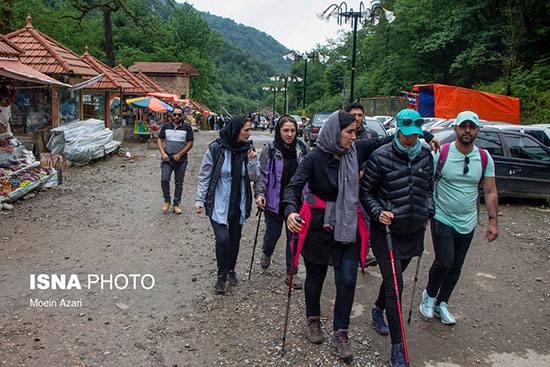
(491, 45)
(255, 42)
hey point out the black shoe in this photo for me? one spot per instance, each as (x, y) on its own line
(378, 321)
(398, 356)
(220, 285)
(232, 278)
(371, 261)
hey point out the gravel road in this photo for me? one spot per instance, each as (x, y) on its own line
(106, 219)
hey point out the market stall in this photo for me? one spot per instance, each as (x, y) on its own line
(20, 172)
(151, 114)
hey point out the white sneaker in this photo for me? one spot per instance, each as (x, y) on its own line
(427, 305)
(443, 313)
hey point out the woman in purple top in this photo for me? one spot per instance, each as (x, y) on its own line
(278, 161)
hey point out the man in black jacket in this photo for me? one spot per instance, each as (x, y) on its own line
(396, 190)
(357, 110)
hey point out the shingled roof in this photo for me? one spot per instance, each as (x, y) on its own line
(46, 55)
(111, 79)
(164, 68)
(140, 86)
(8, 48)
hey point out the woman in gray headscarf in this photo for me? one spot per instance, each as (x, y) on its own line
(333, 235)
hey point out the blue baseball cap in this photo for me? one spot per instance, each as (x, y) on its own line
(467, 116)
(412, 128)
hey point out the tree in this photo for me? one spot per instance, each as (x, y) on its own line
(107, 7)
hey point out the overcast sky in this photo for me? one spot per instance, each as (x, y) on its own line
(291, 22)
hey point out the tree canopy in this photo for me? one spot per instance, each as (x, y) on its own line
(498, 46)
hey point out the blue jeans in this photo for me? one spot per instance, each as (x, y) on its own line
(273, 228)
(345, 277)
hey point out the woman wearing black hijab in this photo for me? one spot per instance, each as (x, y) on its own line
(278, 162)
(229, 159)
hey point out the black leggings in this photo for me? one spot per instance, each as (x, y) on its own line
(450, 249)
(228, 239)
(386, 296)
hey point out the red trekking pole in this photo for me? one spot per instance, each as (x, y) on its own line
(390, 249)
(294, 250)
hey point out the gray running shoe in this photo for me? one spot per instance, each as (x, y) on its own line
(427, 305)
(444, 315)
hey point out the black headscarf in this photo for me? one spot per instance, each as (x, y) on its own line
(290, 151)
(239, 155)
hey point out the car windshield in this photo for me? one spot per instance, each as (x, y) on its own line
(376, 126)
(443, 134)
(297, 118)
(320, 120)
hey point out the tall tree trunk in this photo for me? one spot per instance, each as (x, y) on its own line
(5, 21)
(108, 32)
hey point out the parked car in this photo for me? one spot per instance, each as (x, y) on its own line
(383, 119)
(376, 125)
(541, 132)
(428, 123)
(298, 119)
(312, 128)
(263, 123)
(522, 163)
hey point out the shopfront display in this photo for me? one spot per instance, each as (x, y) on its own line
(31, 109)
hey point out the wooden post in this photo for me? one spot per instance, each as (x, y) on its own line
(121, 95)
(80, 105)
(107, 110)
(55, 106)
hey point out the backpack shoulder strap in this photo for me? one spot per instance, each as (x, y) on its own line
(303, 148)
(484, 161)
(271, 146)
(442, 159)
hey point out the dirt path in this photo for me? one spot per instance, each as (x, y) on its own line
(106, 219)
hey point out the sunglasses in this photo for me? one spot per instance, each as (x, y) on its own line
(408, 122)
(176, 114)
(466, 169)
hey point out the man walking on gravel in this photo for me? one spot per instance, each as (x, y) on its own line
(175, 140)
(459, 169)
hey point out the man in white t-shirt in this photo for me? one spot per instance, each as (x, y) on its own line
(455, 219)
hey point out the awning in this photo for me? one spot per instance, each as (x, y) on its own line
(15, 69)
(168, 96)
(88, 82)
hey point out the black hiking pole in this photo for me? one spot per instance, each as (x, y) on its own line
(414, 288)
(294, 250)
(390, 249)
(259, 214)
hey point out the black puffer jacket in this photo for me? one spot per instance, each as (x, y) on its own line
(393, 183)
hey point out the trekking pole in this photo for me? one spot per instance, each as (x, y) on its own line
(414, 287)
(390, 249)
(294, 250)
(259, 214)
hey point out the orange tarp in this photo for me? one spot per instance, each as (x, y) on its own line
(450, 101)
